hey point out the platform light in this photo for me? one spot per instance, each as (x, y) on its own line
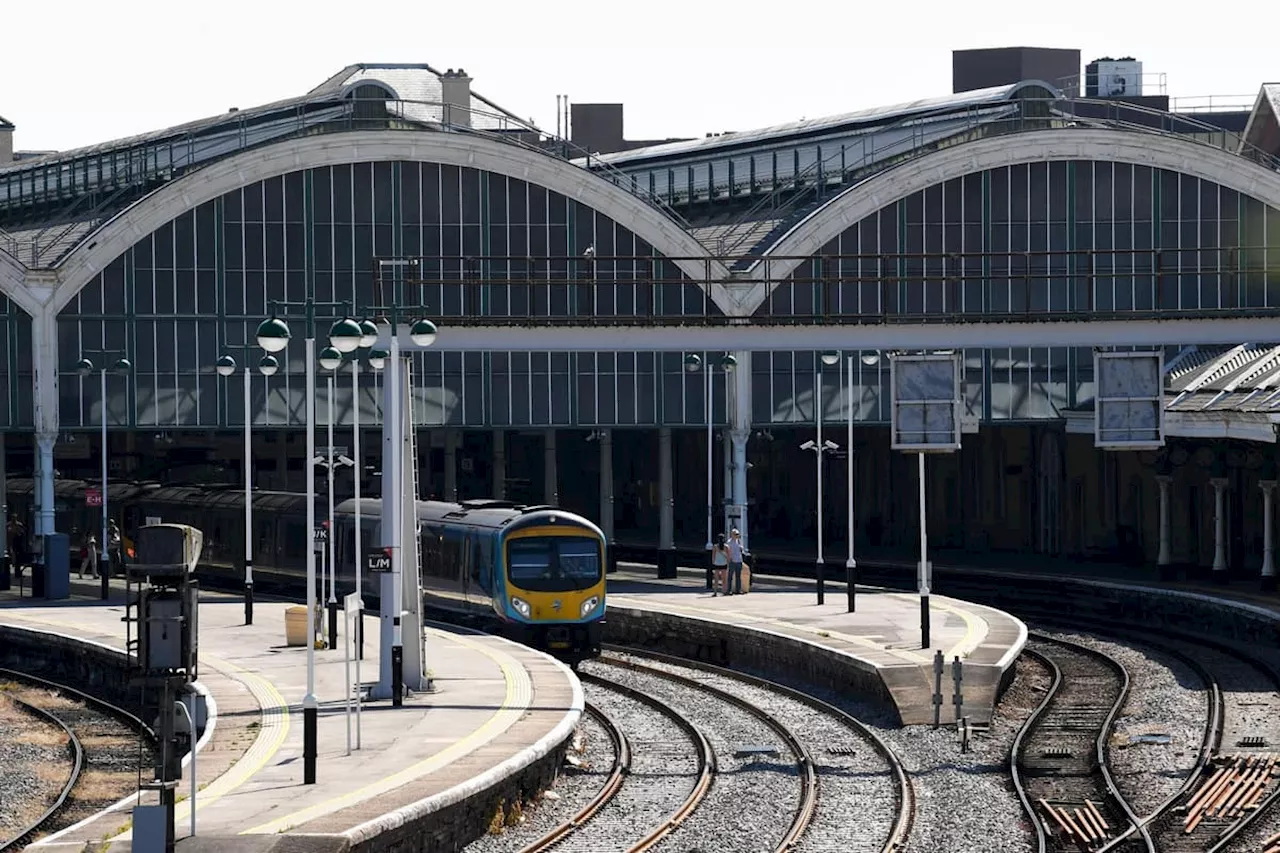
(692, 362)
(330, 358)
(345, 335)
(84, 367)
(423, 333)
(273, 334)
(368, 334)
(728, 363)
(830, 359)
(870, 359)
(269, 365)
(378, 359)
(226, 365)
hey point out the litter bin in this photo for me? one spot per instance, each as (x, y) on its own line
(37, 578)
(57, 566)
(295, 626)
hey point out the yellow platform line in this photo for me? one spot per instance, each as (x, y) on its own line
(820, 633)
(975, 627)
(519, 697)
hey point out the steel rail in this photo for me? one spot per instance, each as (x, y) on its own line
(808, 776)
(76, 751)
(621, 767)
(706, 759)
(906, 793)
(1033, 723)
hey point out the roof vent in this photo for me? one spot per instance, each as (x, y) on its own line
(234, 110)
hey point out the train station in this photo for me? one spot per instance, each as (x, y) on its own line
(791, 467)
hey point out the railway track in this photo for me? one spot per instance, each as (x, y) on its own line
(75, 756)
(109, 745)
(1237, 775)
(661, 773)
(1059, 758)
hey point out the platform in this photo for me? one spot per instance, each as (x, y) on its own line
(882, 636)
(495, 707)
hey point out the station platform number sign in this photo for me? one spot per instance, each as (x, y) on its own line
(377, 560)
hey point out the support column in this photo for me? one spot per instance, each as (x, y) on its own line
(500, 464)
(740, 407)
(606, 483)
(451, 465)
(1268, 563)
(1219, 530)
(44, 351)
(726, 496)
(1163, 559)
(550, 477)
(666, 508)
(4, 513)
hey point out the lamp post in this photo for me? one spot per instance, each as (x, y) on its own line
(820, 447)
(331, 360)
(226, 366)
(85, 367)
(377, 359)
(851, 565)
(273, 336)
(692, 364)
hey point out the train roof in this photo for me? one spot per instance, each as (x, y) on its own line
(485, 513)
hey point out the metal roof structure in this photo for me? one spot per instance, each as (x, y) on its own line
(797, 130)
(1263, 128)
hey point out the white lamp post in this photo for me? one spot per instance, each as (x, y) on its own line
(820, 447)
(851, 565)
(226, 366)
(273, 336)
(692, 364)
(85, 367)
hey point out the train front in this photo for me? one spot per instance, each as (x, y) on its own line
(553, 583)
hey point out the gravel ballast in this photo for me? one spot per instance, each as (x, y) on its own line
(572, 790)
(36, 765)
(1166, 697)
(862, 777)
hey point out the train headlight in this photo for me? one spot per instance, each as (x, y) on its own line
(588, 606)
(521, 606)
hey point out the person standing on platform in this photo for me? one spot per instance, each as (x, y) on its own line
(89, 556)
(114, 556)
(719, 562)
(735, 562)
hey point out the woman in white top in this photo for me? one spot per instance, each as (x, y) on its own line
(719, 563)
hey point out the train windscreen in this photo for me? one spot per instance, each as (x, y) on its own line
(553, 564)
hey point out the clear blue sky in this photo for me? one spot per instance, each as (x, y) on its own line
(76, 73)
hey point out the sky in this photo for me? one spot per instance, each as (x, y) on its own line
(77, 73)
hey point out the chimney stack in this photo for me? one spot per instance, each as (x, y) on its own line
(6, 142)
(455, 89)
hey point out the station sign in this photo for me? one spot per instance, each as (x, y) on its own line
(93, 497)
(320, 537)
(378, 560)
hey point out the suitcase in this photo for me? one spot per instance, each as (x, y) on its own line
(746, 578)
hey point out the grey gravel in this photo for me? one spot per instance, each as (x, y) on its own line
(36, 765)
(1166, 697)
(863, 777)
(751, 800)
(663, 770)
(573, 789)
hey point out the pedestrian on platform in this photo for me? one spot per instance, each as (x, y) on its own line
(719, 563)
(735, 562)
(89, 556)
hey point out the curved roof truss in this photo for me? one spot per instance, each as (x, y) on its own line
(116, 236)
(853, 205)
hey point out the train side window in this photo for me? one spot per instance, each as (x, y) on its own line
(481, 557)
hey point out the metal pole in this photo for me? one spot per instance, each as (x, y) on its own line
(333, 532)
(359, 555)
(309, 704)
(191, 727)
(850, 565)
(817, 384)
(710, 439)
(924, 564)
(397, 557)
(104, 568)
(248, 497)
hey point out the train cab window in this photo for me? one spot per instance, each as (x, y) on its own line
(553, 564)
